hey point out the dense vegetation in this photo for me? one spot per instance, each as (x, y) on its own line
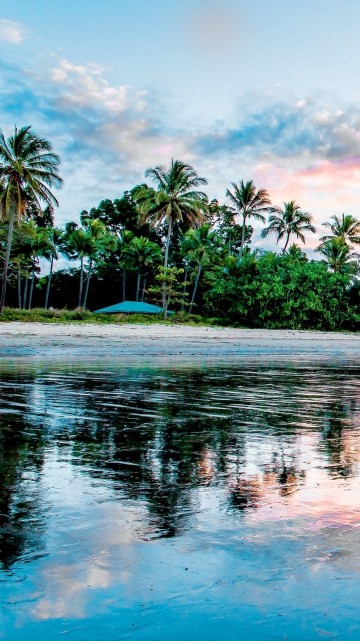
(166, 243)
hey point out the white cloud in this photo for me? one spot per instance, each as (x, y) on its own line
(11, 32)
(84, 85)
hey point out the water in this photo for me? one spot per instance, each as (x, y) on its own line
(175, 503)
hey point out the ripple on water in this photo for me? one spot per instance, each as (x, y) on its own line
(153, 503)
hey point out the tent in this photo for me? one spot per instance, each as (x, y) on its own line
(131, 307)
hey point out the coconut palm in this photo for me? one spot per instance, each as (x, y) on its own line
(125, 258)
(287, 222)
(21, 258)
(80, 245)
(143, 253)
(176, 199)
(28, 171)
(102, 240)
(346, 227)
(186, 248)
(338, 255)
(40, 248)
(248, 202)
(202, 242)
(56, 239)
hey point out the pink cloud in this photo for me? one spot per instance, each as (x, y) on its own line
(324, 189)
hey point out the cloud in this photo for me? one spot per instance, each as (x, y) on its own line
(11, 32)
(108, 134)
(301, 130)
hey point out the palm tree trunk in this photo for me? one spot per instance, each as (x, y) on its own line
(32, 285)
(19, 288)
(124, 285)
(195, 287)
(287, 241)
(243, 232)
(166, 261)
(87, 284)
(25, 292)
(49, 282)
(184, 288)
(138, 285)
(81, 280)
(143, 289)
(7, 258)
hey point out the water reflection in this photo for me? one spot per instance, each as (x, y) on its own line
(98, 464)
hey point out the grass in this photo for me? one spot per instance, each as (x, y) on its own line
(80, 316)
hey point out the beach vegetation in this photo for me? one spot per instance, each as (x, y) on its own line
(170, 245)
(28, 173)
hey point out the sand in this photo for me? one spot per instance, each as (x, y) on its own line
(59, 341)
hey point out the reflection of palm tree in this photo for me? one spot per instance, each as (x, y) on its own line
(21, 516)
(335, 441)
(158, 438)
(245, 493)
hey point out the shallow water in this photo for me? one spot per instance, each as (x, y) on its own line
(180, 502)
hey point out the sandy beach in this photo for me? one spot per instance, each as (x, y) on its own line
(112, 341)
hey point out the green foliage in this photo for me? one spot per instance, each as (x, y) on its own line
(278, 291)
(207, 260)
(171, 276)
(81, 316)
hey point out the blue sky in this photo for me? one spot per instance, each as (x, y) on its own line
(264, 89)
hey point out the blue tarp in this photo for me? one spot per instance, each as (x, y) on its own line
(131, 307)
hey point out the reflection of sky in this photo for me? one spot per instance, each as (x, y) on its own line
(270, 536)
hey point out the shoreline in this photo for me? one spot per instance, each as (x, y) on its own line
(70, 341)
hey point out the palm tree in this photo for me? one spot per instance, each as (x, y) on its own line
(289, 221)
(40, 248)
(102, 240)
(56, 239)
(143, 253)
(338, 255)
(176, 200)
(28, 171)
(346, 227)
(80, 245)
(186, 247)
(248, 202)
(21, 258)
(202, 242)
(125, 259)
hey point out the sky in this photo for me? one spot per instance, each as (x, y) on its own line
(264, 90)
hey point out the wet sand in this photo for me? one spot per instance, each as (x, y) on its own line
(113, 341)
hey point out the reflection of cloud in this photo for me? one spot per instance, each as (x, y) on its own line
(102, 556)
(11, 32)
